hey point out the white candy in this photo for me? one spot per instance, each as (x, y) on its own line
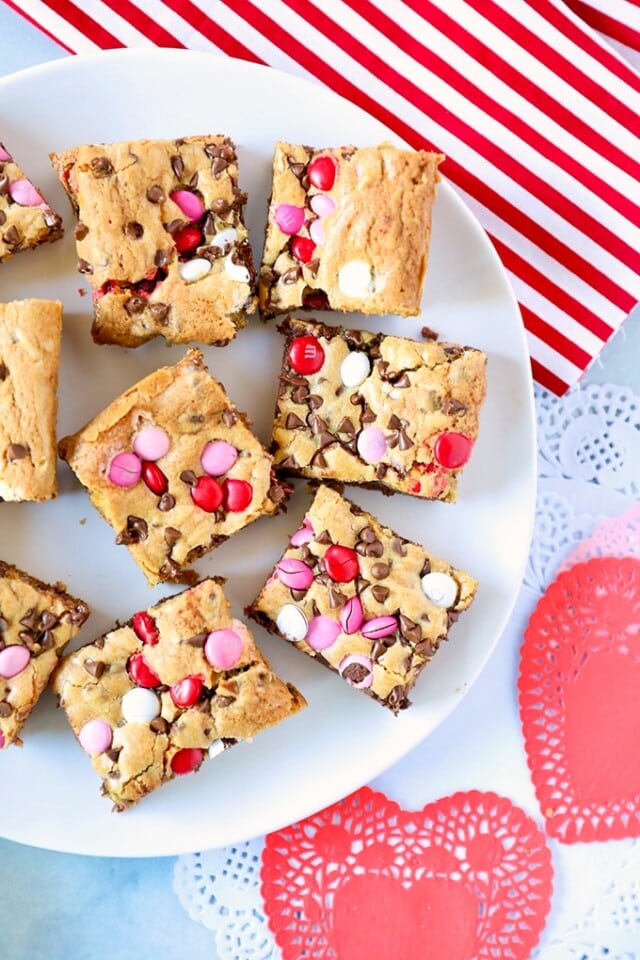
(440, 588)
(216, 748)
(223, 238)
(354, 279)
(140, 705)
(292, 623)
(192, 270)
(236, 271)
(354, 369)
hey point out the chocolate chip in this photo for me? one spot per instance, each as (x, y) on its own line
(402, 382)
(159, 725)
(300, 393)
(133, 229)
(313, 266)
(12, 236)
(159, 312)
(277, 492)
(222, 150)
(135, 305)
(113, 753)
(166, 502)
(399, 546)
(336, 597)
(398, 699)
(101, 167)
(84, 266)
(95, 668)
(3, 624)
(174, 225)
(362, 584)
(78, 614)
(346, 426)
(374, 549)
(380, 593)
(289, 463)
(297, 168)
(394, 423)
(292, 275)
(177, 165)
(318, 460)
(428, 333)
(293, 422)
(17, 451)
(197, 640)
(325, 537)
(5, 709)
(453, 352)
(218, 166)
(409, 630)
(48, 620)
(135, 532)
(4, 184)
(297, 595)
(229, 417)
(381, 469)
(450, 406)
(155, 194)
(314, 400)
(29, 619)
(220, 206)
(367, 415)
(81, 230)
(405, 441)
(189, 477)
(3, 218)
(380, 570)
(426, 568)
(171, 535)
(452, 617)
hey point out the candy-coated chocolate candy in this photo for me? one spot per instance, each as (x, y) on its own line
(193, 270)
(357, 670)
(440, 588)
(223, 649)
(315, 300)
(322, 204)
(303, 535)
(452, 449)
(224, 238)
(354, 279)
(186, 760)
(125, 469)
(151, 443)
(24, 193)
(154, 478)
(341, 563)
(141, 673)
(218, 457)
(303, 249)
(215, 749)
(294, 573)
(322, 632)
(306, 355)
(355, 368)
(322, 172)
(316, 232)
(207, 494)
(13, 660)
(4, 154)
(352, 615)
(145, 628)
(189, 203)
(236, 271)
(95, 736)
(186, 692)
(372, 444)
(188, 238)
(292, 623)
(379, 627)
(237, 495)
(289, 218)
(140, 705)
(2, 740)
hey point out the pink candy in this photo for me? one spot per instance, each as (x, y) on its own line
(322, 204)
(303, 535)
(4, 155)
(189, 203)
(379, 627)
(125, 469)
(351, 615)
(295, 574)
(354, 659)
(223, 649)
(218, 457)
(289, 218)
(372, 444)
(322, 632)
(13, 660)
(316, 232)
(151, 443)
(24, 193)
(96, 736)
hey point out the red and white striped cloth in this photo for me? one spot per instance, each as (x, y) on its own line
(539, 118)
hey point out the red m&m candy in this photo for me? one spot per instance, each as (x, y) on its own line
(303, 249)
(452, 450)
(188, 238)
(341, 563)
(141, 673)
(186, 692)
(207, 494)
(306, 355)
(145, 629)
(237, 495)
(322, 172)
(187, 760)
(154, 478)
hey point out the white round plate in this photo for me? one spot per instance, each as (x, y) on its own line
(51, 795)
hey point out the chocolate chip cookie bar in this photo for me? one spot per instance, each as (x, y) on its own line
(172, 687)
(173, 466)
(26, 219)
(348, 229)
(364, 601)
(161, 239)
(30, 332)
(376, 410)
(37, 621)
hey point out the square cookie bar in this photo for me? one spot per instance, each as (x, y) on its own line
(30, 332)
(37, 621)
(173, 686)
(161, 238)
(26, 219)
(173, 466)
(348, 229)
(376, 410)
(364, 601)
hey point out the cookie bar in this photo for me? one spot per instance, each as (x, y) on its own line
(173, 466)
(37, 621)
(173, 686)
(30, 332)
(361, 599)
(161, 239)
(26, 219)
(348, 229)
(376, 410)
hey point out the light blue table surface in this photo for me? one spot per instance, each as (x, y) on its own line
(64, 907)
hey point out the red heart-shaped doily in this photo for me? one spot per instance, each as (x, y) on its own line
(469, 876)
(580, 701)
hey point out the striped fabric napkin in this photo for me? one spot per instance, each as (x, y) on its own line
(538, 114)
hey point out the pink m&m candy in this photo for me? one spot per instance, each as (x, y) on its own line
(452, 450)
(371, 444)
(189, 203)
(125, 469)
(322, 632)
(379, 627)
(288, 217)
(295, 574)
(4, 154)
(303, 535)
(223, 649)
(316, 232)
(218, 457)
(351, 615)
(357, 670)
(152, 443)
(24, 193)
(13, 660)
(96, 736)
(322, 204)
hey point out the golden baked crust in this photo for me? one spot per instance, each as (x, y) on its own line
(129, 232)
(167, 531)
(41, 619)
(383, 645)
(230, 704)
(30, 332)
(26, 219)
(371, 249)
(415, 392)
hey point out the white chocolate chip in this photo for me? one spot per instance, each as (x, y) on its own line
(140, 705)
(216, 748)
(355, 368)
(440, 588)
(192, 270)
(236, 271)
(292, 623)
(224, 237)
(354, 279)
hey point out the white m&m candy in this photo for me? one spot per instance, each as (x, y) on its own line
(440, 588)
(354, 369)
(292, 623)
(140, 705)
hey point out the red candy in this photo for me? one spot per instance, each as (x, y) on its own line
(187, 760)
(237, 495)
(145, 629)
(187, 239)
(207, 494)
(341, 563)
(322, 172)
(303, 249)
(452, 450)
(306, 355)
(186, 692)
(154, 478)
(141, 673)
